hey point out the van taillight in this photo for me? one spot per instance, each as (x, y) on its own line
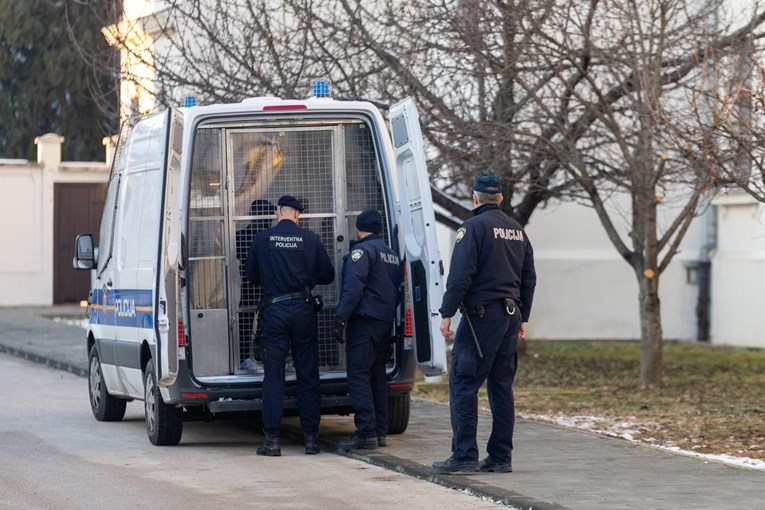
(179, 309)
(181, 335)
(408, 327)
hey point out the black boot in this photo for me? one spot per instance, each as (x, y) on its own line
(312, 444)
(357, 442)
(270, 447)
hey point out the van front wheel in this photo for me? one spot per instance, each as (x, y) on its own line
(398, 412)
(105, 407)
(164, 423)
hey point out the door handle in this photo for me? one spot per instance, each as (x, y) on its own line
(109, 283)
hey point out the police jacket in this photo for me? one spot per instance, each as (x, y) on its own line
(286, 258)
(492, 260)
(371, 281)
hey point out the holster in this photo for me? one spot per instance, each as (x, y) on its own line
(510, 306)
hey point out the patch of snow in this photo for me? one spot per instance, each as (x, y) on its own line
(626, 430)
(80, 323)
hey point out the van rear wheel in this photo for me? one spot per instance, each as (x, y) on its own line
(398, 412)
(164, 423)
(105, 407)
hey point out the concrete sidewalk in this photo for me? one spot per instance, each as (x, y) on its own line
(555, 468)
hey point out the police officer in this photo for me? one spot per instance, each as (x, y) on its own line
(288, 261)
(491, 280)
(368, 300)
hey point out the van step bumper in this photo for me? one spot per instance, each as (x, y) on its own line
(328, 403)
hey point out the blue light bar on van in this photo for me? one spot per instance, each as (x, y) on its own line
(320, 88)
(189, 101)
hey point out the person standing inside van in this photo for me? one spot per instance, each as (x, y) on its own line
(249, 294)
(288, 261)
(368, 300)
(491, 280)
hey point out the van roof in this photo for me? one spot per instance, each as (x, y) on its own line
(278, 105)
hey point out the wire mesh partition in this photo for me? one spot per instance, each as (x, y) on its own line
(206, 271)
(332, 169)
(363, 188)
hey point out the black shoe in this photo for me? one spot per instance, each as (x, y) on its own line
(451, 465)
(489, 465)
(382, 441)
(270, 447)
(312, 444)
(357, 442)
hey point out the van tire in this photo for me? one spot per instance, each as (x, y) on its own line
(164, 423)
(398, 412)
(105, 406)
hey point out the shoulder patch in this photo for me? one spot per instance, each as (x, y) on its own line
(461, 233)
(356, 254)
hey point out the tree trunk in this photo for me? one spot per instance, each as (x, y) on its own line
(651, 361)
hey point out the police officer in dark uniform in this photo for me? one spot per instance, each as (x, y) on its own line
(491, 280)
(368, 300)
(288, 261)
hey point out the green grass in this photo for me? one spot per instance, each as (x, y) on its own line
(712, 399)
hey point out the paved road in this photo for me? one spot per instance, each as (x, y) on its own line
(54, 455)
(555, 468)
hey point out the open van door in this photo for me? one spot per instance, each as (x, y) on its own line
(166, 306)
(423, 259)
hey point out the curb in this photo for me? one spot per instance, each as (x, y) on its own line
(44, 360)
(462, 483)
(458, 482)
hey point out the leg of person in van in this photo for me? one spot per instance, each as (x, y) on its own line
(276, 345)
(305, 352)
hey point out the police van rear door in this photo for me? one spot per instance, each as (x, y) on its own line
(422, 255)
(166, 297)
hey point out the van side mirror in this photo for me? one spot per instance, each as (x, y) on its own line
(84, 253)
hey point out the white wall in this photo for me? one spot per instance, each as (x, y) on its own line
(585, 290)
(26, 219)
(738, 272)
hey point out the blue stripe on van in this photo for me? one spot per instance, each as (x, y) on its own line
(122, 307)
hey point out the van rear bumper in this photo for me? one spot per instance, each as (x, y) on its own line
(329, 404)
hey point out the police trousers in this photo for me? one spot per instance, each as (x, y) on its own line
(497, 333)
(291, 325)
(366, 354)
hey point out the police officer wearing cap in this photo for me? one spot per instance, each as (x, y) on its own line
(288, 261)
(368, 300)
(491, 280)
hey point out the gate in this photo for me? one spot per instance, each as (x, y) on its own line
(77, 209)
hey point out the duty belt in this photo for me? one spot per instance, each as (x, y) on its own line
(286, 297)
(480, 310)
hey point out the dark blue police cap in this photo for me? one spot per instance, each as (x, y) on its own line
(290, 201)
(369, 221)
(487, 184)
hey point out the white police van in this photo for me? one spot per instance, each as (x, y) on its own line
(170, 313)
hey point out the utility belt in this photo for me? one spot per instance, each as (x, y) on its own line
(286, 297)
(256, 336)
(480, 311)
(316, 301)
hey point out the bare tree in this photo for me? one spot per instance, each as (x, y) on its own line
(631, 74)
(458, 59)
